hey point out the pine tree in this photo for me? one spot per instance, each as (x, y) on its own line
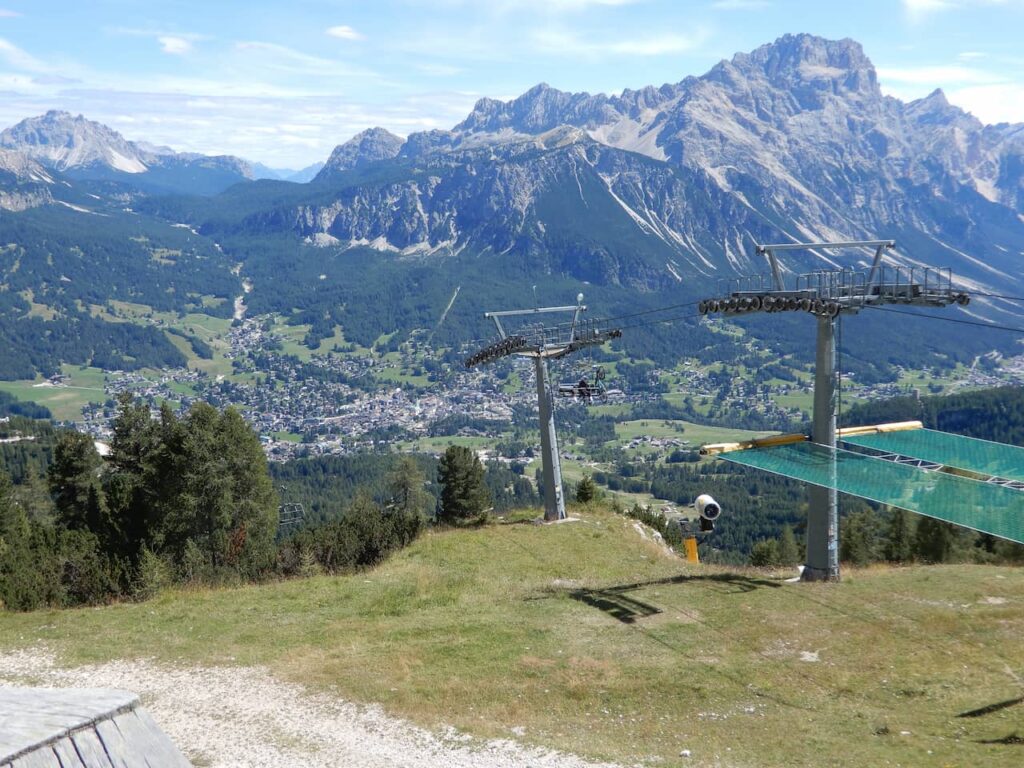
(789, 553)
(201, 510)
(33, 496)
(406, 488)
(72, 477)
(765, 553)
(586, 490)
(13, 521)
(410, 501)
(899, 542)
(464, 494)
(933, 540)
(254, 502)
(858, 543)
(133, 493)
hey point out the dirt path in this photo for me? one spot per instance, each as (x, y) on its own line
(242, 716)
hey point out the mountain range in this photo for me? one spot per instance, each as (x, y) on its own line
(652, 193)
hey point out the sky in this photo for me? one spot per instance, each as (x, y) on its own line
(282, 83)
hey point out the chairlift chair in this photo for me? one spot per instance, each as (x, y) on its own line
(586, 391)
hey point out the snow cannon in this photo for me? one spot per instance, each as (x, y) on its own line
(709, 511)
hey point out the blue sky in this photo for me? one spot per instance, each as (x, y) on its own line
(283, 83)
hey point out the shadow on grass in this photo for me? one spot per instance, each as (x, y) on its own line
(616, 603)
(1012, 739)
(988, 709)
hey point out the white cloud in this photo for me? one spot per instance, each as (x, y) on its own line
(281, 58)
(20, 59)
(8, 14)
(568, 44)
(971, 55)
(992, 97)
(581, 5)
(175, 45)
(437, 70)
(918, 10)
(740, 5)
(939, 76)
(559, 6)
(344, 32)
(994, 103)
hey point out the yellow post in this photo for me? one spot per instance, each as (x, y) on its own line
(690, 547)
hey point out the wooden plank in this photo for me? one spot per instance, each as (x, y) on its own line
(30, 717)
(164, 752)
(119, 752)
(39, 758)
(90, 748)
(67, 755)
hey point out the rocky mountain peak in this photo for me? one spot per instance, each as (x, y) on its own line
(365, 147)
(60, 140)
(935, 110)
(536, 111)
(797, 61)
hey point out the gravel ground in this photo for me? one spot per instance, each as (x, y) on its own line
(242, 716)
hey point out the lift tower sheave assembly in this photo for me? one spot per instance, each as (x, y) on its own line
(543, 344)
(827, 294)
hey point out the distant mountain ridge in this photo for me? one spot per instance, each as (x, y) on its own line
(656, 192)
(82, 148)
(792, 141)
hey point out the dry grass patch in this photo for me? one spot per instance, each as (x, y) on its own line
(591, 639)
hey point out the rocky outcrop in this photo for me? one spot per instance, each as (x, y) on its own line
(370, 146)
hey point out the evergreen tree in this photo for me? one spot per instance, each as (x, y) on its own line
(789, 553)
(586, 490)
(899, 541)
(464, 494)
(765, 553)
(858, 543)
(202, 510)
(13, 522)
(131, 482)
(135, 436)
(406, 488)
(33, 496)
(933, 540)
(254, 503)
(29, 575)
(73, 477)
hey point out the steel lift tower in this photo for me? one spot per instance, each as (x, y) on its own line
(826, 294)
(543, 344)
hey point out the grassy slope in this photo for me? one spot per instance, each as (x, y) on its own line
(515, 626)
(85, 385)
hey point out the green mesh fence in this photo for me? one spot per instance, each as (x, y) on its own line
(969, 453)
(984, 507)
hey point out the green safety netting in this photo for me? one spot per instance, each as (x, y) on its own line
(982, 456)
(984, 507)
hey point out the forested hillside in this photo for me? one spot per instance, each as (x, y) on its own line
(63, 271)
(992, 414)
(326, 485)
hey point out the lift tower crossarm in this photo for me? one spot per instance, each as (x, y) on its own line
(545, 344)
(769, 250)
(827, 294)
